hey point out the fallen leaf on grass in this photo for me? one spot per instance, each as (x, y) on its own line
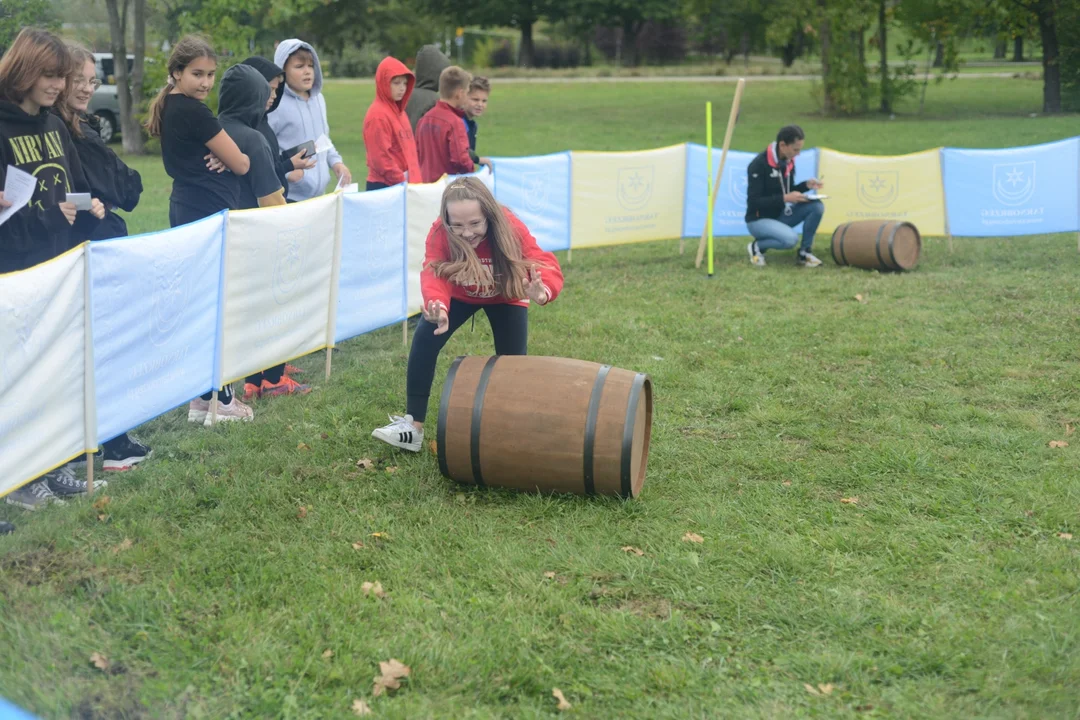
(1069, 429)
(693, 537)
(380, 536)
(328, 653)
(850, 501)
(1065, 536)
(860, 298)
(358, 545)
(100, 662)
(391, 469)
(360, 708)
(125, 545)
(303, 447)
(324, 436)
(821, 690)
(1058, 444)
(390, 676)
(365, 464)
(101, 502)
(549, 575)
(557, 694)
(302, 512)
(633, 550)
(102, 518)
(373, 588)
(863, 708)
(786, 483)
(433, 447)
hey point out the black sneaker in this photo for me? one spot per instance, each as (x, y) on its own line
(6, 528)
(63, 483)
(124, 453)
(33, 496)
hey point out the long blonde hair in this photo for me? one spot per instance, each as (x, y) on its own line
(509, 269)
(187, 50)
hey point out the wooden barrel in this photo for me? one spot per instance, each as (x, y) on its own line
(545, 423)
(877, 245)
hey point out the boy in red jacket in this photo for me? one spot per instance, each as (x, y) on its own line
(441, 136)
(388, 137)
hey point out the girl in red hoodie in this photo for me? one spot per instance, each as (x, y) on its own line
(388, 136)
(479, 256)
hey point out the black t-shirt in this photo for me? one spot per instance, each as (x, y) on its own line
(186, 126)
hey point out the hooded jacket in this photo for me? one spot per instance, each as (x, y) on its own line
(430, 62)
(443, 143)
(297, 120)
(110, 180)
(241, 107)
(41, 146)
(767, 180)
(283, 162)
(388, 137)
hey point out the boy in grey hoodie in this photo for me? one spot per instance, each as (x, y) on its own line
(301, 117)
(430, 62)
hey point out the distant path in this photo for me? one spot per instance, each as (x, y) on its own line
(686, 78)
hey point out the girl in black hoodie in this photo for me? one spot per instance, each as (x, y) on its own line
(118, 186)
(34, 75)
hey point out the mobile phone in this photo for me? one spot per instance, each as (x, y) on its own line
(82, 200)
(308, 148)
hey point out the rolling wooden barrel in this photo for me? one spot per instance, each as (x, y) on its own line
(545, 423)
(877, 245)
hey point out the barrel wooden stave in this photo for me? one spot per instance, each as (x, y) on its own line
(533, 425)
(877, 245)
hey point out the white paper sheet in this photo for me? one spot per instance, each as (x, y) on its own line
(18, 190)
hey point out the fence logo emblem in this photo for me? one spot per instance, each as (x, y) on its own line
(1014, 183)
(170, 294)
(381, 242)
(878, 189)
(635, 186)
(535, 190)
(289, 267)
(737, 184)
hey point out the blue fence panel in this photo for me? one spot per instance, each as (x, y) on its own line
(537, 189)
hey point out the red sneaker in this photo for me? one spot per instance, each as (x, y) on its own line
(251, 392)
(287, 386)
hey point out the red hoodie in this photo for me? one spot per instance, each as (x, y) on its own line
(388, 137)
(443, 142)
(442, 290)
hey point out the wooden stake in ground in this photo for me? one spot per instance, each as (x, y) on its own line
(720, 170)
(213, 409)
(329, 355)
(89, 473)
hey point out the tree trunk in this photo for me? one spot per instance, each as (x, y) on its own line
(1000, 49)
(886, 81)
(129, 126)
(744, 45)
(525, 52)
(631, 52)
(132, 136)
(1018, 48)
(826, 42)
(1050, 60)
(939, 55)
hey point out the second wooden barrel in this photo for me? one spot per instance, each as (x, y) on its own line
(545, 423)
(877, 245)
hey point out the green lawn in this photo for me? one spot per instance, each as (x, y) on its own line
(947, 589)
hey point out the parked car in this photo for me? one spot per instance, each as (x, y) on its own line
(105, 103)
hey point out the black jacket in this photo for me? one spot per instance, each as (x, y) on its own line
(241, 107)
(111, 181)
(765, 187)
(470, 125)
(282, 162)
(40, 145)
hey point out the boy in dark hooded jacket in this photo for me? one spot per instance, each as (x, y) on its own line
(289, 169)
(430, 62)
(388, 137)
(242, 106)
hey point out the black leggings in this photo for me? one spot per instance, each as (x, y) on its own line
(273, 375)
(509, 325)
(372, 185)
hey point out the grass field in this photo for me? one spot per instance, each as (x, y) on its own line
(883, 519)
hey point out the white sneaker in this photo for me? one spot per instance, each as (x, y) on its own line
(235, 410)
(807, 260)
(757, 259)
(401, 433)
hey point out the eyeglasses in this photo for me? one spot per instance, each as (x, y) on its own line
(477, 227)
(83, 83)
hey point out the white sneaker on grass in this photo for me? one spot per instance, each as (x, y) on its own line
(197, 410)
(235, 410)
(401, 433)
(757, 258)
(807, 260)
